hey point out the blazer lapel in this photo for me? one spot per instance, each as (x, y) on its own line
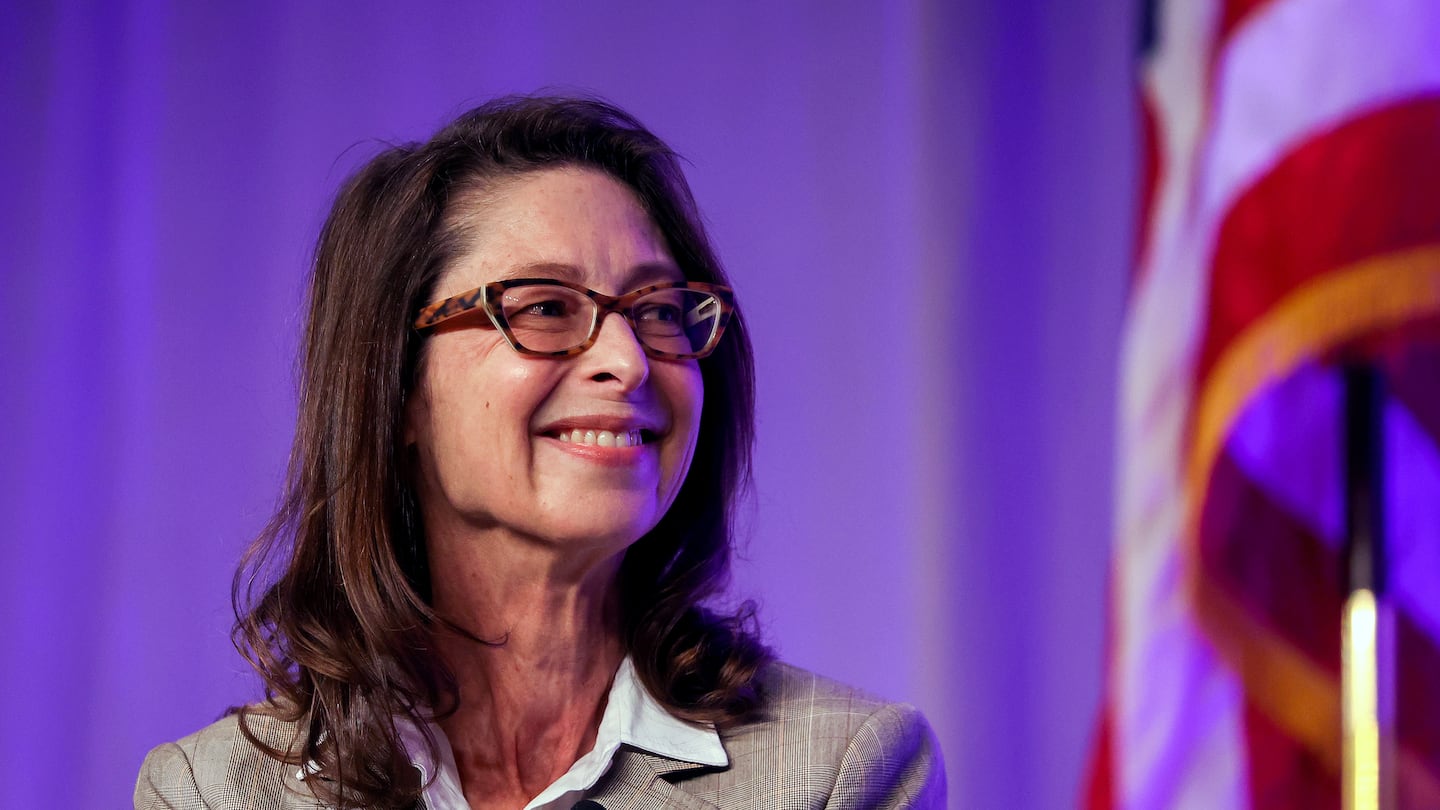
(636, 781)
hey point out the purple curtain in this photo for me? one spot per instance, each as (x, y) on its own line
(926, 208)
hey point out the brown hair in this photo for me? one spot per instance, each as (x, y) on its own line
(340, 631)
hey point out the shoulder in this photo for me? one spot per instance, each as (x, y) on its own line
(826, 708)
(218, 767)
(820, 736)
(791, 692)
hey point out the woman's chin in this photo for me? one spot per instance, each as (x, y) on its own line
(607, 535)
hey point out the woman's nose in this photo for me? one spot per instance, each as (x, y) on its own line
(617, 354)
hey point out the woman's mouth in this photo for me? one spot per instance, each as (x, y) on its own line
(603, 438)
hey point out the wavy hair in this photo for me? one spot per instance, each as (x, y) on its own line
(332, 598)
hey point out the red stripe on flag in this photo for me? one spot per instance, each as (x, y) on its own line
(1271, 563)
(1284, 774)
(1150, 179)
(1235, 13)
(1417, 722)
(1099, 787)
(1365, 188)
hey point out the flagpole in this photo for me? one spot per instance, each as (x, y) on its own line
(1368, 779)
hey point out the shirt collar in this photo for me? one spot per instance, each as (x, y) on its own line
(632, 717)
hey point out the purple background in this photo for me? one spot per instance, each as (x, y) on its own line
(947, 186)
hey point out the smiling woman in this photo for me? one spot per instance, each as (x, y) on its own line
(525, 417)
(486, 420)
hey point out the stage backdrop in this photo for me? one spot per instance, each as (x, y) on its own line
(926, 208)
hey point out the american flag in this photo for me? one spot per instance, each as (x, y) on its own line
(1291, 223)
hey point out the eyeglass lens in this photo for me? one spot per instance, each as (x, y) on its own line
(546, 318)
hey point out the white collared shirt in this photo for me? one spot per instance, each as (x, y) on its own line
(632, 717)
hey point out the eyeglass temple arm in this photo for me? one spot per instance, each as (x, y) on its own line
(703, 311)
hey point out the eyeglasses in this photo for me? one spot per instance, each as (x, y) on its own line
(679, 320)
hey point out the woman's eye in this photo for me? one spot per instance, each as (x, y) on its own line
(658, 312)
(546, 309)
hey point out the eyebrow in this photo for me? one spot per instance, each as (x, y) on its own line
(638, 276)
(564, 272)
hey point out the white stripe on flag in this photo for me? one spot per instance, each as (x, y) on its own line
(1176, 711)
(1302, 66)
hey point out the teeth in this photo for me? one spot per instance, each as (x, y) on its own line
(601, 438)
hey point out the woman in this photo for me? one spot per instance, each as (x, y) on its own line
(525, 415)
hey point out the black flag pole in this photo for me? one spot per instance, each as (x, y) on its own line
(1367, 781)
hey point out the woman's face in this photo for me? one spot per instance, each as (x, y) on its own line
(495, 430)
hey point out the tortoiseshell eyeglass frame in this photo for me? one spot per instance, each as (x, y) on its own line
(481, 298)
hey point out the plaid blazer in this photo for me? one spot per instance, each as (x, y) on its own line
(815, 744)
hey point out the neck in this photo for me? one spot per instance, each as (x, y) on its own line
(531, 704)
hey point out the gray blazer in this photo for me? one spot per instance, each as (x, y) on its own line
(816, 744)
